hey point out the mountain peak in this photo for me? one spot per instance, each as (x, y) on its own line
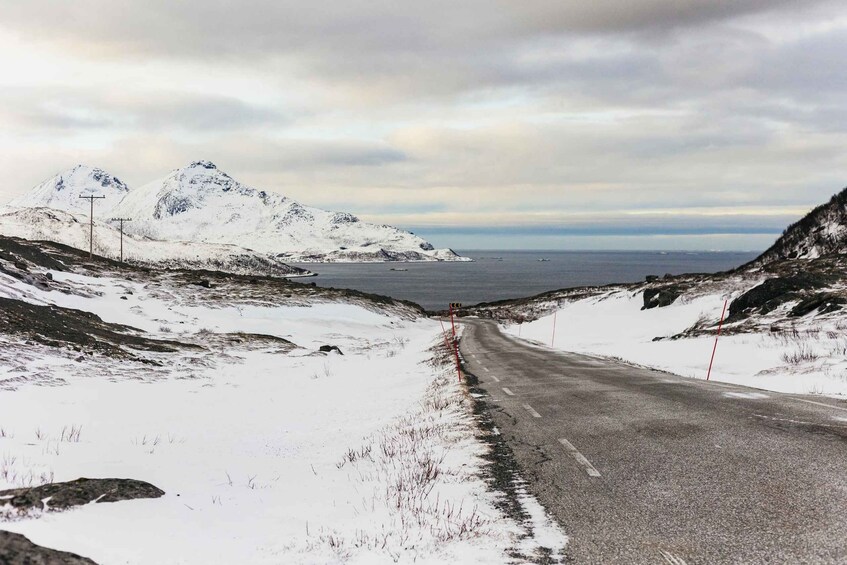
(63, 191)
(202, 164)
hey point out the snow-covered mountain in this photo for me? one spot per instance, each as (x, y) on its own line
(63, 191)
(46, 224)
(823, 231)
(201, 203)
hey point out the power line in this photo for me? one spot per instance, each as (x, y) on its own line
(122, 220)
(91, 199)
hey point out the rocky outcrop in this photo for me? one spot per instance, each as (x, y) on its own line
(60, 496)
(16, 549)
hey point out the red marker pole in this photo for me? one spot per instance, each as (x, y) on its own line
(444, 333)
(455, 344)
(715, 348)
(452, 323)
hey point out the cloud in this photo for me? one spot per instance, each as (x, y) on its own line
(468, 111)
(82, 109)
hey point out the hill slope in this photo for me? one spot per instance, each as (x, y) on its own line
(823, 231)
(45, 224)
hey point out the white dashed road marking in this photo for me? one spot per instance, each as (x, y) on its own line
(509, 392)
(531, 410)
(748, 395)
(671, 558)
(486, 369)
(821, 404)
(495, 378)
(580, 458)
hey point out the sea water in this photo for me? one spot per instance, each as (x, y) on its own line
(497, 275)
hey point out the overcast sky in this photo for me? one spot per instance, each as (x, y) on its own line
(645, 124)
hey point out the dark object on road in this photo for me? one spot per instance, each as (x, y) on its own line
(16, 549)
(78, 492)
(660, 297)
(329, 348)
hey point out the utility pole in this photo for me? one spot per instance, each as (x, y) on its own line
(122, 220)
(91, 199)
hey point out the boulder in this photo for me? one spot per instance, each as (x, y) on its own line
(78, 492)
(16, 549)
(329, 349)
(660, 297)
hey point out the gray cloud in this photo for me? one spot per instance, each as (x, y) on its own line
(63, 109)
(602, 106)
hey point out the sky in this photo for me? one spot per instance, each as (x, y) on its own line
(646, 124)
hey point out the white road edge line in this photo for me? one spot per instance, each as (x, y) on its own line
(821, 404)
(509, 392)
(580, 458)
(486, 369)
(495, 378)
(531, 410)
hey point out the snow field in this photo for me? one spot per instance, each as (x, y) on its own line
(810, 360)
(366, 457)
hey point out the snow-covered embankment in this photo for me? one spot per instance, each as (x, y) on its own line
(811, 359)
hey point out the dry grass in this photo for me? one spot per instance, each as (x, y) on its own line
(406, 464)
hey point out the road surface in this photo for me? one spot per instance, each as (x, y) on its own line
(641, 466)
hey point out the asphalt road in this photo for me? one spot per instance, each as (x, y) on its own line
(640, 466)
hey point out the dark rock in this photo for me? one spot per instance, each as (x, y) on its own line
(124, 298)
(774, 292)
(660, 297)
(668, 276)
(205, 283)
(825, 302)
(651, 278)
(16, 549)
(329, 348)
(78, 492)
(49, 276)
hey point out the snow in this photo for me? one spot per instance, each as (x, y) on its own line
(253, 445)
(46, 224)
(199, 203)
(810, 360)
(63, 191)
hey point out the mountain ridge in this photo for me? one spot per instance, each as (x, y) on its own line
(201, 203)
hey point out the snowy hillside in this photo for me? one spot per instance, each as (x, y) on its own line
(201, 203)
(821, 232)
(63, 191)
(267, 450)
(45, 224)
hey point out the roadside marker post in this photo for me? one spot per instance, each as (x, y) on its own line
(553, 339)
(452, 323)
(456, 306)
(715, 348)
